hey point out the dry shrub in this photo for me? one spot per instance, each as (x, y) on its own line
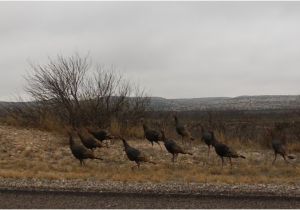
(131, 131)
(50, 123)
(12, 121)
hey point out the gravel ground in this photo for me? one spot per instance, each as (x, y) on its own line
(79, 200)
(153, 188)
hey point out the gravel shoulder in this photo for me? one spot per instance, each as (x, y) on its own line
(96, 186)
(89, 194)
(90, 200)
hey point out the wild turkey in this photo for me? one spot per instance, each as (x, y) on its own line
(152, 135)
(223, 150)
(279, 146)
(207, 138)
(172, 147)
(101, 135)
(88, 140)
(134, 154)
(79, 151)
(182, 130)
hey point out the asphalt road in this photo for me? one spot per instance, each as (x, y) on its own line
(35, 199)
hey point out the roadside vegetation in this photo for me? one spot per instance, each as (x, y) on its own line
(31, 153)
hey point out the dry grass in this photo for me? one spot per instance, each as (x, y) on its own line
(132, 131)
(32, 153)
(294, 147)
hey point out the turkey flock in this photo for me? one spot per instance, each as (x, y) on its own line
(92, 139)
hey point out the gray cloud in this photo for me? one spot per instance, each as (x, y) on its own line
(174, 49)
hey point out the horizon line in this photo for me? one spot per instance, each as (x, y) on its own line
(190, 97)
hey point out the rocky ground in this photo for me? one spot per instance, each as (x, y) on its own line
(93, 185)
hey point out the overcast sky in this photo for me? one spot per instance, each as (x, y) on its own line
(174, 49)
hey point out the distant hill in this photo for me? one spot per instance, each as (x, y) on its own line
(262, 102)
(224, 103)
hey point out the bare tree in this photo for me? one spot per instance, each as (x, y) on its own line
(58, 83)
(80, 95)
